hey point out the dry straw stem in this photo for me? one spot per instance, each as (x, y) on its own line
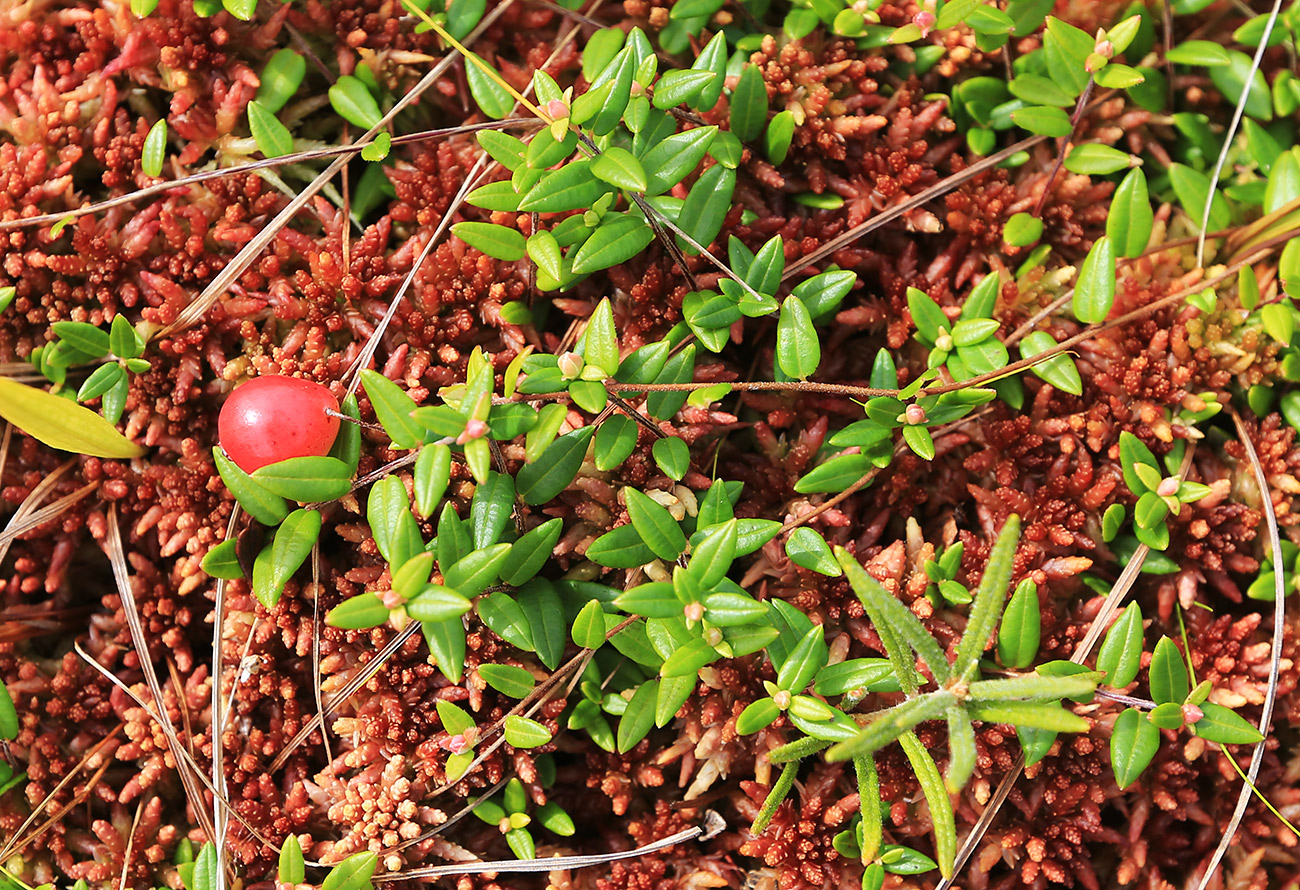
(220, 814)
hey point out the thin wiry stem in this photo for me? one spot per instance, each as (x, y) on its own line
(709, 829)
(220, 817)
(1232, 130)
(130, 842)
(1279, 607)
(315, 154)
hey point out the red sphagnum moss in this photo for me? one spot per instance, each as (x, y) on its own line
(873, 127)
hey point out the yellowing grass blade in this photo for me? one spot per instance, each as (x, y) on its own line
(61, 423)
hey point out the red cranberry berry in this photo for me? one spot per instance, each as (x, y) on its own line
(273, 418)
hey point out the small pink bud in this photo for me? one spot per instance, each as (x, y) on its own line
(714, 637)
(1168, 487)
(557, 109)
(694, 611)
(915, 415)
(1192, 714)
(1105, 48)
(457, 744)
(925, 21)
(782, 699)
(571, 365)
(474, 429)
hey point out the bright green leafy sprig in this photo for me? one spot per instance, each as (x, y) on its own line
(1158, 495)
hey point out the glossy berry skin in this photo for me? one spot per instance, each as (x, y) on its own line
(273, 418)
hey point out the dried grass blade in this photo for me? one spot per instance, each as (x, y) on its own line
(1232, 129)
(29, 505)
(117, 557)
(220, 817)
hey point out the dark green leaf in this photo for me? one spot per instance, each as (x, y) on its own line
(757, 715)
(780, 132)
(1019, 635)
(672, 456)
(620, 548)
(668, 162)
(272, 137)
(749, 104)
(530, 552)
(1094, 291)
(1133, 742)
(681, 85)
(1167, 673)
(506, 619)
(616, 240)
(1231, 79)
(104, 378)
(555, 468)
(679, 368)
(446, 642)
(544, 610)
(687, 660)
(808, 549)
(9, 723)
(288, 550)
(432, 474)
(1043, 121)
(262, 505)
(656, 527)
(222, 562)
(306, 479)
(354, 102)
(804, 661)
(507, 679)
(638, 719)
(1120, 655)
(615, 441)
(393, 409)
(437, 603)
(1219, 724)
(1192, 188)
(706, 206)
(836, 474)
(499, 242)
(521, 732)
(361, 612)
(619, 167)
(870, 674)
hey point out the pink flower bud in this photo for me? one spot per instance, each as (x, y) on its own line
(457, 744)
(915, 415)
(557, 109)
(1192, 714)
(782, 699)
(1168, 487)
(925, 21)
(694, 611)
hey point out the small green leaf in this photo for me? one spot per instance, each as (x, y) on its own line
(498, 242)
(808, 549)
(706, 207)
(393, 409)
(432, 475)
(1095, 159)
(353, 101)
(221, 561)
(304, 479)
(620, 548)
(617, 239)
(615, 441)
(600, 339)
(1133, 742)
(1279, 322)
(656, 527)
(672, 456)
(280, 79)
(492, 98)
(262, 505)
(989, 600)
(1206, 53)
(240, 9)
(553, 470)
(804, 661)
(749, 104)
(378, 149)
(1120, 655)
(1059, 370)
(361, 612)
(571, 187)
(589, 626)
(836, 474)
(668, 162)
(288, 550)
(1167, 673)
(681, 85)
(352, 873)
(918, 439)
(544, 611)
(507, 679)
(798, 350)
(522, 732)
(477, 570)
(638, 719)
(1043, 120)
(205, 868)
(528, 554)
(272, 137)
(1192, 188)
(446, 642)
(1019, 635)
(1222, 725)
(104, 378)
(757, 715)
(506, 619)
(291, 867)
(1129, 222)
(1022, 230)
(780, 132)
(1094, 291)
(619, 167)
(155, 149)
(9, 723)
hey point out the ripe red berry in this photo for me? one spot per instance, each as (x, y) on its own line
(273, 418)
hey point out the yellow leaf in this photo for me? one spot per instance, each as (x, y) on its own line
(61, 423)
